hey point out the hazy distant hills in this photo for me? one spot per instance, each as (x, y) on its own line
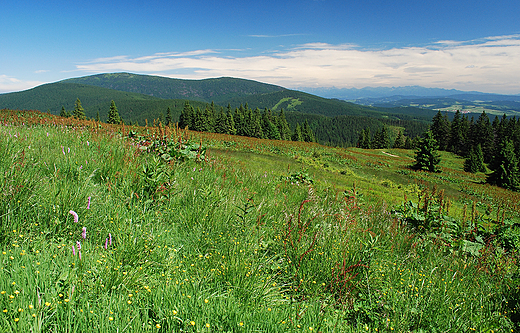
(428, 98)
(399, 93)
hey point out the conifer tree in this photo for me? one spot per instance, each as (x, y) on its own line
(426, 156)
(168, 117)
(441, 130)
(187, 116)
(505, 168)
(399, 140)
(475, 160)
(457, 137)
(297, 135)
(113, 114)
(283, 126)
(79, 112)
(230, 123)
(484, 136)
(307, 134)
(365, 141)
(63, 112)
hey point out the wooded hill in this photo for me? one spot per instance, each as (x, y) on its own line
(141, 98)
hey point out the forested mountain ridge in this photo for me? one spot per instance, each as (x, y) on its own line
(216, 90)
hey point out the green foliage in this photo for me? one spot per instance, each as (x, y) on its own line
(506, 172)
(426, 156)
(475, 160)
(297, 178)
(79, 112)
(113, 114)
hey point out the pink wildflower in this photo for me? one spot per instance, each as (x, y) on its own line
(106, 243)
(76, 218)
(88, 203)
(110, 239)
(79, 245)
(84, 233)
(73, 250)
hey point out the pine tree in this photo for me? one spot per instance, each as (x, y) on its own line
(113, 114)
(426, 156)
(505, 168)
(79, 112)
(63, 112)
(475, 160)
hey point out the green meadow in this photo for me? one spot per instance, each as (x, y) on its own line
(181, 231)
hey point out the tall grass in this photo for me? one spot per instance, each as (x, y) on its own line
(217, 245)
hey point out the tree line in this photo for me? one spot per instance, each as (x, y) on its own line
(495, 144)
(244, 121)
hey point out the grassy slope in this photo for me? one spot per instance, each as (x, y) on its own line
(231, 244)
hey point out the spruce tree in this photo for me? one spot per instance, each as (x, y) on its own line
(307, 134)
(297, 135)
(505, 168)
(113, 114)
(426, 156)
(441, 130)
(283, 126)
(79, 112)
(168, 117)
(475, 160)
(230, 123)
(399, 140)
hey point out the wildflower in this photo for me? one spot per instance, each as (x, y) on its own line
(63, 150)
(110, 318)
(79, 245)
(88, 203)
(73, 250)
(76, 218)
(84, 233)
(106, 243)
(192, 323)
(110, 239)
(79, 254)
(206, 300)
(241, 323)
(158, 326)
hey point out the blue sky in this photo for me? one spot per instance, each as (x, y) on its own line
(460, 44)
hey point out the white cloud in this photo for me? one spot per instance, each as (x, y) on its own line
(488, 64)
(10, 84)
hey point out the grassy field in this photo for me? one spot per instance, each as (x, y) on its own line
(113, 229)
